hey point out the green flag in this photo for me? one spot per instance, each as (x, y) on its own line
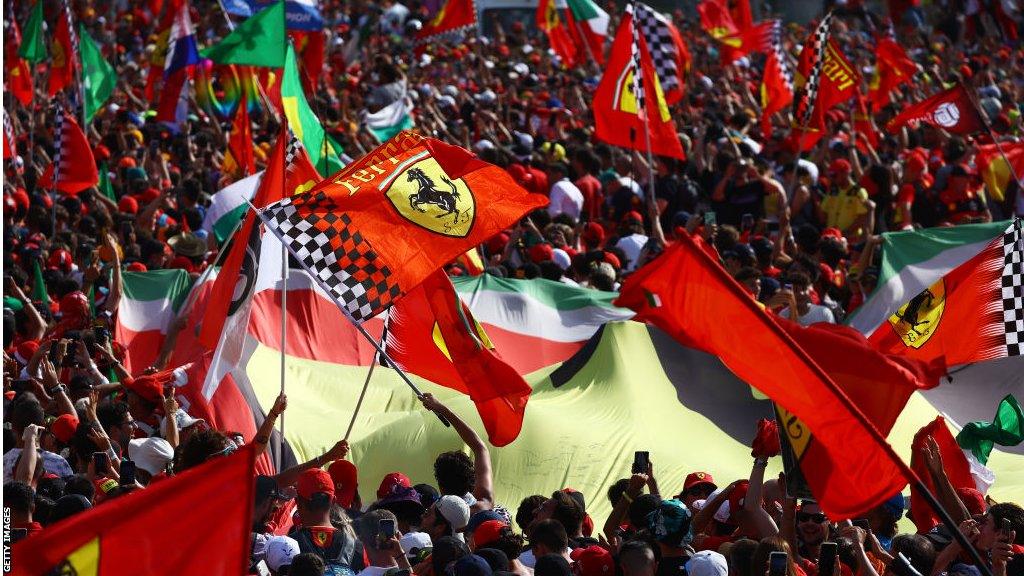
(105, 186)
(1006, 429)
(33, 46)
(259, 41)
(39, 286)
(304, 123)
(98, 75)
(91, 296)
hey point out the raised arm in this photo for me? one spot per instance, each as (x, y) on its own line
(337, 452)
(754, 515)
(483, 488)
(262, 438)
(943, 487)
(621, 509)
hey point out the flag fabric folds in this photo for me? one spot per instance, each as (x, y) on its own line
(777, 82)
(955, 464)
(684, 287)
(973, 313)
(630, 89)
(1006, 429)
(129, 535)
(383, 224)
(588, 25)
(73, 168)
(97, 74)
(454, 15)
(432, 333)
(64, 52)
(303, 121)
(33, 46)
(998, 174)
(179, 61)
(893, 68)
(10, 142)
(19, 71)
(258, 41)
(951, 110)
(668, 54)
(240, 144)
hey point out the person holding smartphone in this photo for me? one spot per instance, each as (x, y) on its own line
(377, 531)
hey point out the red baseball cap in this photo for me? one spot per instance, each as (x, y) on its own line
(128, 205)
(832, 232)
(698, 478)
(387, 485)
(345, 477)
(312, 481)
(136, 267)
(147, 386)
(488, 532)
(593, 561)
(540, 252)
(64, 427)
(26, 350)
(60, 259)
(840, 166)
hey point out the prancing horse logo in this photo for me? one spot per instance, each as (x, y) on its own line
(916, 321)
(424, 194)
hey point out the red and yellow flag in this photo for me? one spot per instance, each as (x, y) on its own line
(892, 68)
(559, 38)
(431, 333)
(454, 15)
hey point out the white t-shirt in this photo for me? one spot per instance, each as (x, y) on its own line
(631, 245)
(52, 463)
(566, 198)
(815, 314)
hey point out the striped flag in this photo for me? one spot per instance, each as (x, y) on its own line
(64, 52)
(10, 144)
(73, 168)
(777, 82)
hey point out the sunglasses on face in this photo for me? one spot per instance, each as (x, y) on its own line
(818, 518)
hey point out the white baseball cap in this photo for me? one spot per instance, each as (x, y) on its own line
(707, 563)
(150, 454)
(453, 509)
(280, 551)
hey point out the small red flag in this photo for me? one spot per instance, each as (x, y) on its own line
(62, 55)
(130, 535)
(953, 462)
(892, 68)
(951, 110)
(684, 287)
(454, 15)
(554, 26)
(837, 82)
(19, 72)
(618, 99)
(309, 47)
(431, 333)
(77, 165)
(240, 141)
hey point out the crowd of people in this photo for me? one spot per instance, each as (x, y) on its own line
(799, 230)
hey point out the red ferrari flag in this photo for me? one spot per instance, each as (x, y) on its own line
(455, 15)
(777, 83)
(999, 172)
(837, 82)
(684, 287)
(431, 333)
(73, 168)
(717, 21)
(629, 89)
(559, 38)
(63, 52)
(10, 142)
(951, 110)
(19, 72)
(129, 535)
(383, 224)
(240, 145)
(974, 313)
(892, 68)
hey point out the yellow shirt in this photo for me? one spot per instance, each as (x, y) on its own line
(843, 207)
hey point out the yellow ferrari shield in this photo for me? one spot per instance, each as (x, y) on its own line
(916, 321)
(794, 429)
(84, 561)
(625, 96)
(423, 194)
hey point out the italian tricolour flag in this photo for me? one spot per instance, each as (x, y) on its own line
(150, 304)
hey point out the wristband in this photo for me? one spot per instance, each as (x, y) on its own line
(761, 462)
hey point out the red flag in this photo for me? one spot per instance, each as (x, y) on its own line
(617, 108)
(777, 82)
(309, 47)
(862, 123)
(77, 165)
(10, 143)
(19, 72)
(240, 141)
(837, 82)
(951, 110)
(1000, 173)
(63, 57)
(559, 38)
(131, 534)
(431, 333)
(953, 462)
(453, 16)
(683, 288)
(741, 14)
(969, 315)
(892, 68)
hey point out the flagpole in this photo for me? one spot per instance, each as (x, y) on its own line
(284, 323)
(647, 123)
(348, 315)
(907, 472)
(366, 384)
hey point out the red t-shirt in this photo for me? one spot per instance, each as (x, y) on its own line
(592, 197)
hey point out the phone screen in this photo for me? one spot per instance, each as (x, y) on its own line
(387, 529)
(127, 473)
(640, 460)
(710, 218)
(827, 559)
(101, 462)
(777, 564)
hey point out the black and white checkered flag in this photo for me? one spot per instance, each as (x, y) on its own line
(292, 148)
(58, 143)
(819, 42)
(9, 135)
(656, 31)
(1013, 288)
(72, 33)
(777, 52)
(638, 71)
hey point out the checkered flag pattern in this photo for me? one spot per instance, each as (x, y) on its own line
(58, 143)
(322, 239)
(9, 135)
(72, 33)
(638, 73)
(775, 47)
(1013, 288)
(292, 148)
(818, 44)
(657, 34)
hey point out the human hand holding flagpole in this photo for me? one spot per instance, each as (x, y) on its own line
(316, 278)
